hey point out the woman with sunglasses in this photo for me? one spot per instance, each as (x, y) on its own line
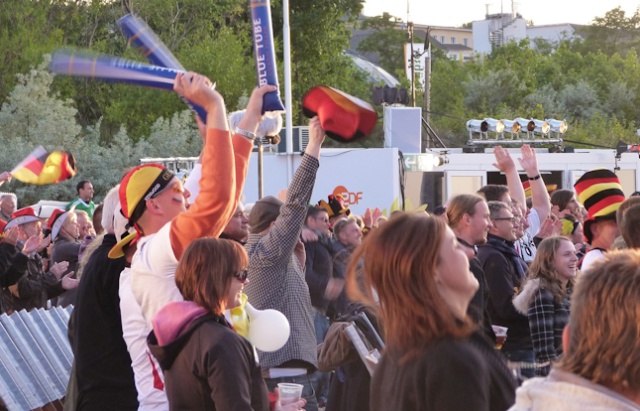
(544, 298)
(416, 276)
(207, 365)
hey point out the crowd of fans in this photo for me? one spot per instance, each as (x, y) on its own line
(508, 298)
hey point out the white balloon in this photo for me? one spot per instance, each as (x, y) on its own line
(269, 330)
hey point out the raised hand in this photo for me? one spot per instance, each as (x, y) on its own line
(316, 138)
(32, 244)
(253, 113)
(59, 268)
(376, 214)
(11, 236)
(45, 243)
(197, 89)
(367, 219)
(69, 283)
(529, 161)
(550, 226)
(5, 176)
(504, 162)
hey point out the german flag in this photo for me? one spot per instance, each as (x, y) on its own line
(41, 167)
(527, 188)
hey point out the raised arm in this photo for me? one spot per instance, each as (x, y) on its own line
(282, 238)
(505, 163)
(539, 195)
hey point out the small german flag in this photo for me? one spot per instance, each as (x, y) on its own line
(41, 167)
(527, 188)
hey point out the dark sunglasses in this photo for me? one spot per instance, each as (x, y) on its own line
(242, 275)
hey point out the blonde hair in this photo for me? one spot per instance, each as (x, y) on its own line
(604, 325)
(460, 205)
(543, 267)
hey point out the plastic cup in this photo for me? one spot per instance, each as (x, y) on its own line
(501, 335)
(289, 393)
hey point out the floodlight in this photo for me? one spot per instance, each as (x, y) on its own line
(558, 126)
(494, 125)
(511, 126)
(525, 125)
(478, 126)
(541, 126)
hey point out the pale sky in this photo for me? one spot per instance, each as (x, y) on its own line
(454, 13)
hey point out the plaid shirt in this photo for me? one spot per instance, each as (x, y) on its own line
(278, 278)
(547, 319)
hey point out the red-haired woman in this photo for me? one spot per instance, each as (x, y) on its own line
(434, 359)
(207, 365)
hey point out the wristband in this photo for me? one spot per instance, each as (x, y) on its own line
(535, 178)
(248, 134)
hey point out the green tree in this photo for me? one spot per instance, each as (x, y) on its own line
(25, 35)
(386, 40)
(612, 33)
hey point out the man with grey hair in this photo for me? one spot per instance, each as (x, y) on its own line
(276, 270)
(7, 206)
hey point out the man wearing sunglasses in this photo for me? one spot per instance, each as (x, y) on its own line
(505, 271)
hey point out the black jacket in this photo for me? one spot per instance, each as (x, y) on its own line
(13, 265)
(450, 374)
(34, 288)
(210, 367)
(318, 270)
(503, 282)
(103, 365)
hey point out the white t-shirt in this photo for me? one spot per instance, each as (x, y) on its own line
(590, 258)
(153, 273)
(525, 246)
(147, 372)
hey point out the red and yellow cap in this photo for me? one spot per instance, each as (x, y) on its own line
(140, 184)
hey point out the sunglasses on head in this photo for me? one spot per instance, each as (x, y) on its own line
(242, 275)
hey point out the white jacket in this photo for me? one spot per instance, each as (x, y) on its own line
(563, 391)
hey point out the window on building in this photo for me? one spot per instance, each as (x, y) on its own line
(466, 42)
(453, 40)
(442, 39)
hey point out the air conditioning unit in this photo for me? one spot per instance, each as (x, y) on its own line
(300, 139)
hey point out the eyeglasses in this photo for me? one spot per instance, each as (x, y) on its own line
(512, 219)
(242, 275)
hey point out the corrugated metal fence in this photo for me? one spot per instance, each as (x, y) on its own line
(35, 358)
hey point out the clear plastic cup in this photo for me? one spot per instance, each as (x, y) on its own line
(289, 393)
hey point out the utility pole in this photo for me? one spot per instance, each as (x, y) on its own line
(427, 84)
(413, 66)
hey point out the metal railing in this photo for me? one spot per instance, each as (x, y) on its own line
(35, 358)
